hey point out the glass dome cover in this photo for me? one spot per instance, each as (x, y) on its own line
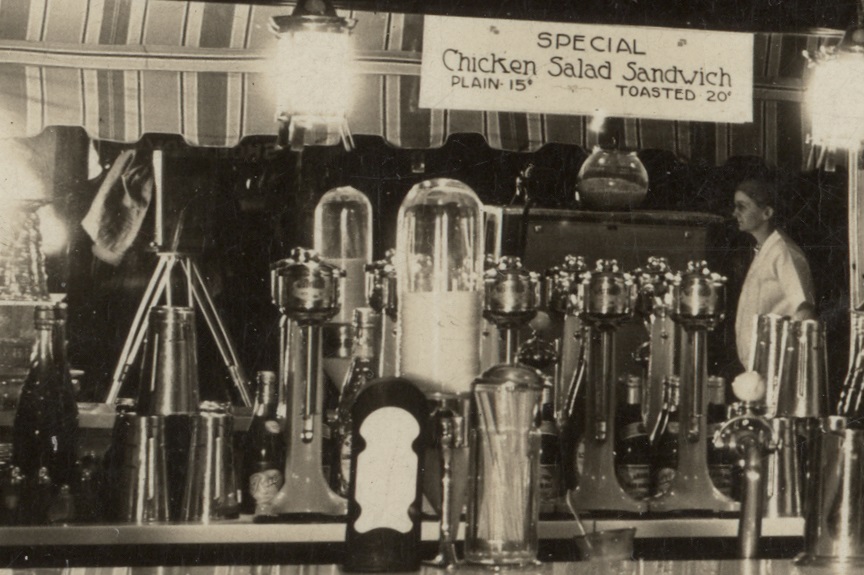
(439, 242)
(612, 179)
(439, 266)
(343, 237)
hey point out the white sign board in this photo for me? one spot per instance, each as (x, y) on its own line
(580, 69)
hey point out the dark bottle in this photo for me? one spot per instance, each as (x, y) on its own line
(536, 352)
(11, 487)
(61, 313)
(37, 496)
(389, 422)
(664, 445)
(88, 505)
(62, 509)
(363, 369)
(721, 461)
(549, 486)
(45, 429)
(632, 446)
(263, 450)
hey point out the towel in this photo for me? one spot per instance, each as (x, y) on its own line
(118, 210)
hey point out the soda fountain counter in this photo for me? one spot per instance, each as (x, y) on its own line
(542, 238)
(673, 542)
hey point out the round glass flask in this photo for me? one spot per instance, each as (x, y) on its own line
(612, 179)
(439, 266)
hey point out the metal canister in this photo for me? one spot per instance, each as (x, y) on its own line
(512, 293)
(609, 293)
(169, 374)
(699, 296)
(305, 288)
(562, 286)
(653, 281)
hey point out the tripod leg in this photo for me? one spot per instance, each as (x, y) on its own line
(217, 329)
(152, 293)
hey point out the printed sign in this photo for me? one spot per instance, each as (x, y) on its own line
(580, 69)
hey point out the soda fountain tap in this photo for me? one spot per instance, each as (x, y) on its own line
(307, 293)
(607, 300)
(699, 298)
(511, 298)
(749, 434)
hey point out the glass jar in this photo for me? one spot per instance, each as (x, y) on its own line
(439, 266)
(612, 179)
(343, 238)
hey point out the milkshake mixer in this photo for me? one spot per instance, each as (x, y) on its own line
(698, 304)
(510, 301)
(562, 300)
(607, 298)
(654, 306)
(307, 292)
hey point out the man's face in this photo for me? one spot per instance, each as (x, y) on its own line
(750, 217)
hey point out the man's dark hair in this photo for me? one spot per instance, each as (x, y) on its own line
(763, 191)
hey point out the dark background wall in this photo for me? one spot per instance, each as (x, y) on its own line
(247, 207)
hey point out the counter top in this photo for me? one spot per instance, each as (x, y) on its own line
(243, 530)
(640, 567)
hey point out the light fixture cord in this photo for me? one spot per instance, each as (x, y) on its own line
(861, 12)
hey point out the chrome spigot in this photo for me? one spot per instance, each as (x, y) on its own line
(749, 434)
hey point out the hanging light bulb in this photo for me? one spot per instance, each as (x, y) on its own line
(313, 75)
(835, 92)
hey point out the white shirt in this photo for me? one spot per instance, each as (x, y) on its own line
(778, 282)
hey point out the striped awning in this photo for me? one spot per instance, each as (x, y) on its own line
(125, 68)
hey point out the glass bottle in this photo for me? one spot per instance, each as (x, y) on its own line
(632, 447)
(62, 510)
(549, 485)
(536, 352)
(264, 449)
(381, 295)
(89, 506)
(37, 495)
(439, 266)
(721, 461)
(61, 314)
(363, 369)
(45, 429)
(11, 486)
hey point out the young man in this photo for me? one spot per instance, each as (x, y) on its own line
(779, 279)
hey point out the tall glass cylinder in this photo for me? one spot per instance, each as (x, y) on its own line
(343, 238)
(439, 266)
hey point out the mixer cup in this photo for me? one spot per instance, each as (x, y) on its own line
(699, 298)
(607, 297)
(307, 293)
(510, 301)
